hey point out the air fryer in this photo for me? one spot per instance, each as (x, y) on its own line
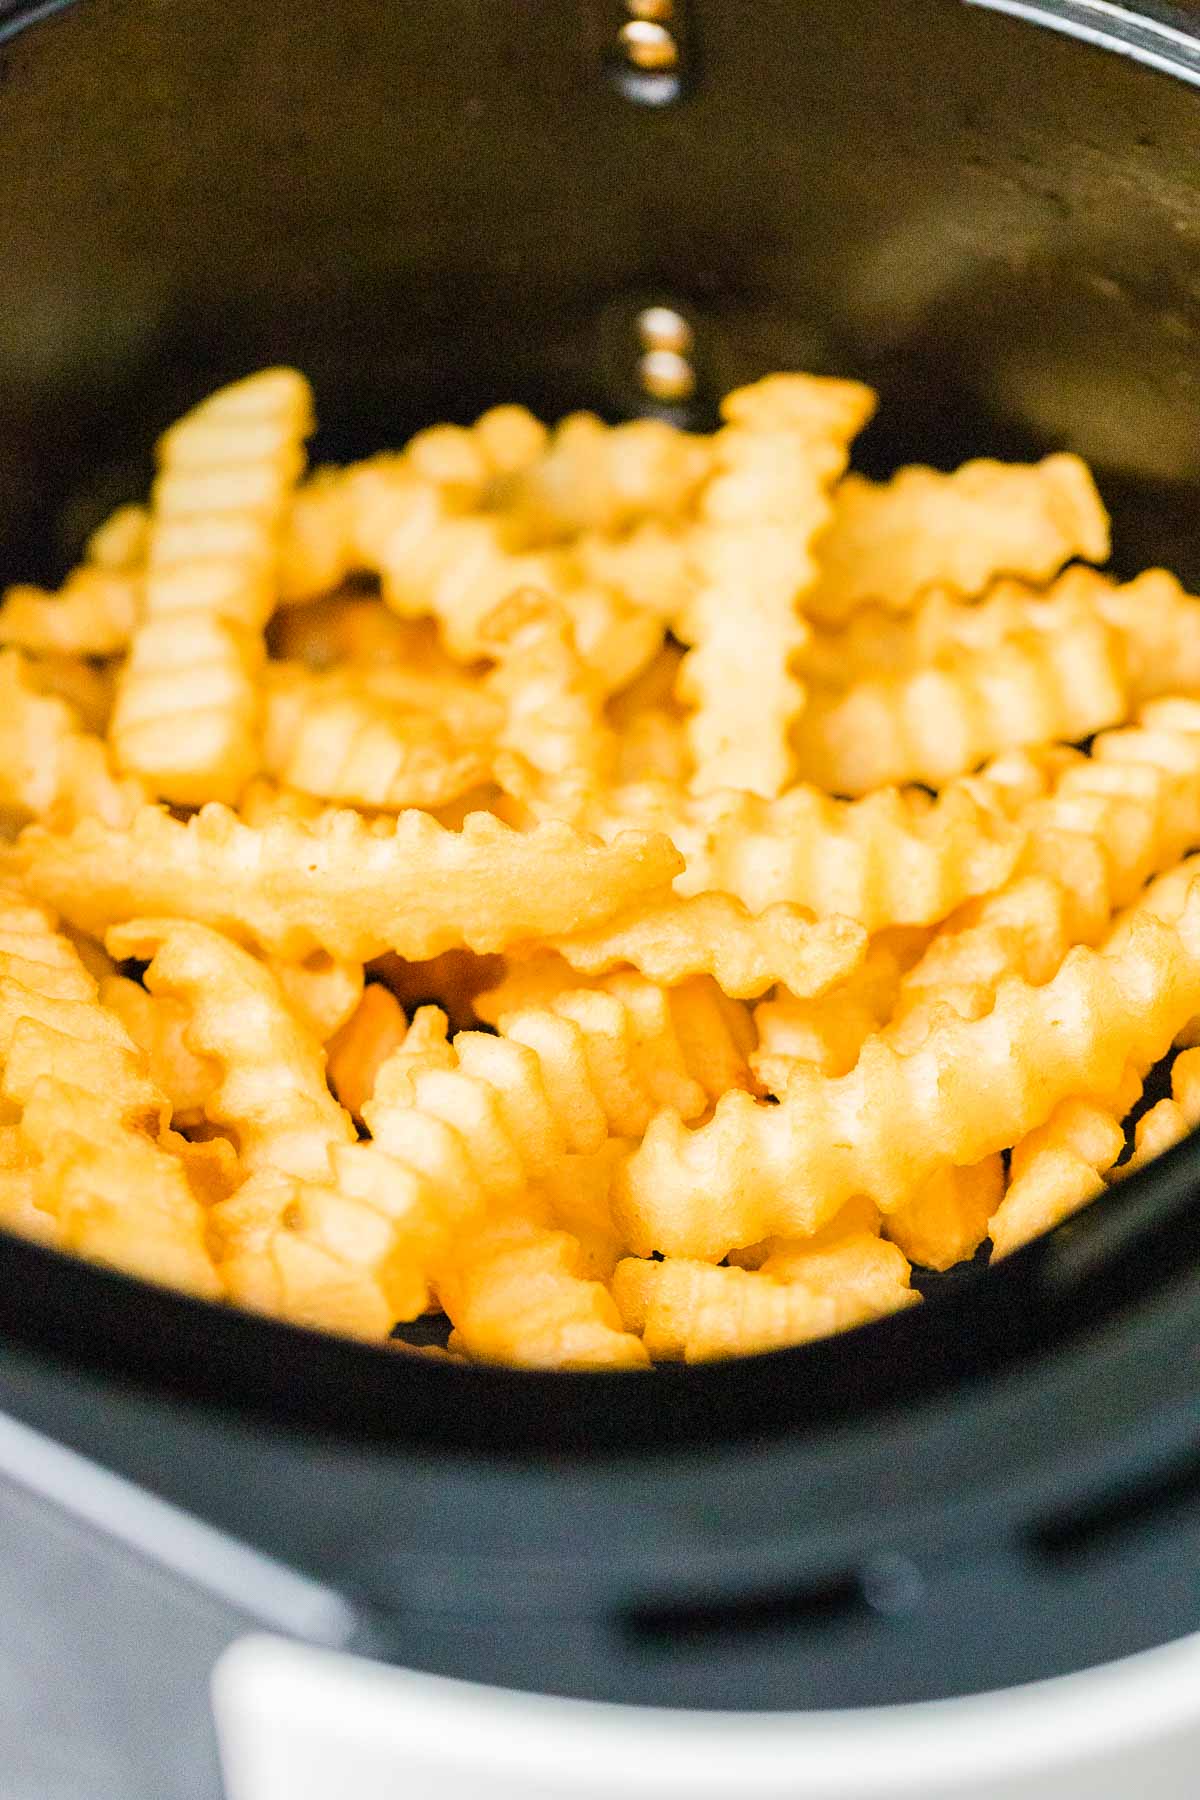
(989, 211)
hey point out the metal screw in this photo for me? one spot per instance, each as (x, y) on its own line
(666, 375)
(662, 328)
(648, 46)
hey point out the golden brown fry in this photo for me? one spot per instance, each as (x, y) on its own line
(519, 1293)
(330, 736)
(941, 720)
(689, 1309)
(49, 766)
(947, 1219)
(1057, 1169)
(784, 444)
(357, 1052)
(972, 1088)
(595, 477)
(157, 1024)
(338, 886)
(922, 530)
(93, 614)
(271, 1094)
(187, 711)
(713, 934)
(892, 858)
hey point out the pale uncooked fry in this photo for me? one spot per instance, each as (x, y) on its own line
(338, 886)
(713, 934)
(329, 735)
(357, 1052)
(119, 543)
(91, 1112)
(518, 1292)
(157, 1024)
(922, 529)
(947, 1219)
(596, 477)
(692, 1310)
(1169, 1122)
(49, 766)
(1056, 1170)
(187, 712)
(271, 1093)
(974, 1087)
(939, 721)
(552, 703)
(829, 1032)
(784, 444)
(92, 614)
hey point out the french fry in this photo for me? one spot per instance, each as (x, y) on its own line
(93, 614)
(337, 886)
(271, 1093)
(922, 530)
(519, 1293)
(713, 934)
(691, 1310)
(187, 715)
(357, 1051)
(49, 766)
(605, 479)
(973, 1088)
(945, 718)
(784, 444)
(331, 736)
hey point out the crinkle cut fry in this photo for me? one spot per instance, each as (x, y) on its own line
(893, 858)
(340, 886)
(434, 561)
(784, 443)
(553, 704)
(49, 766)
(713, 934)
(922, 529)
(91, 1114)
(1109, 822)
(271, 1093)
(518, 1293)
(942, 720)
(463, 462)
(330, 736)
(506, 1128)
(689, 1309)
(592, 477)
(973, 1088)
(1155, 622)
(187, 716)
(93, 614)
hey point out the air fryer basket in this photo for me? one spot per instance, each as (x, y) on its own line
(432, 208)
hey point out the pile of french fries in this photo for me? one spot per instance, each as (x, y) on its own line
(632, 892)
